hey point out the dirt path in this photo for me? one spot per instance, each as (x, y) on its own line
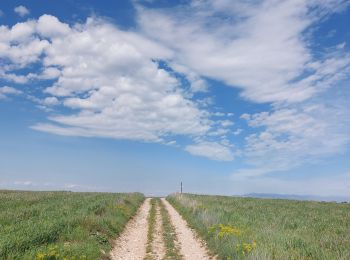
(131, 244)
(191, 247)
(158, 247)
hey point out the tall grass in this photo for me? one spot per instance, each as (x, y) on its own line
(249, 228)
(58, 225)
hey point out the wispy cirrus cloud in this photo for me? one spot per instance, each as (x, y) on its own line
(25, 184)
(247, 46)
(291, 136)
(265, 48)
(212, 150)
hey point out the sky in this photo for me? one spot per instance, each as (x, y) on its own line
(228, 97)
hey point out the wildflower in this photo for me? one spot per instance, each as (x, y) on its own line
(247, 247)
(228, 230)
(40, 256)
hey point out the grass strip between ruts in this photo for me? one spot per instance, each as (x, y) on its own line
(151, 229)
(169, 235)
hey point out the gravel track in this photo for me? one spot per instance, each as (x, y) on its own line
(191, 247)
(158, 247)
(131, 244)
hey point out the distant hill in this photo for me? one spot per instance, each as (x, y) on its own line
(296, 197)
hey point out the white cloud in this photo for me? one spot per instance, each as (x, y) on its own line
(50, 26)
(23, 183)
(6, 90)
(50, 101)
(246, 45)
(211, 150)
(238, 131)
(226, 123)
(9, 90)
(21, 10)
(35, 185)
(20, 48)
(50, 73)
(125, 94)
(115, 89)
(109, 79)
(288, 137)
(219, 114)
(245, 116)
(113, 85)
(196, 82)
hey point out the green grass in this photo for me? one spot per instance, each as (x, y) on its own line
(151, 228)
(59, 225)
(248, 228)
(169, 235)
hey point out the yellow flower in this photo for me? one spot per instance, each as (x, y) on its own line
(40, 256)
(228, 230)
(247, 247)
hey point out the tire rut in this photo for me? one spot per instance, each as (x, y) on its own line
(191, 247)
(131, 244)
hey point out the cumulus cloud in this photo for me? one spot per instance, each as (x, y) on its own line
(125, 94)
(21, 10)
(20, 48)
(50, 26)
(130, 84)
(211, 150)
(238, 131)
(6, 90)
(50, 101)
(110, 80)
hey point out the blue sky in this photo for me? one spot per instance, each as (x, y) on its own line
(230, 98)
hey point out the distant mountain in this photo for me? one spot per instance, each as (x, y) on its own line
(296, 197)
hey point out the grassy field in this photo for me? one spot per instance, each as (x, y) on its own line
(248, 228)
(62, 225)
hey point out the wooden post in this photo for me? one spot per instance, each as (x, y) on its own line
(181, 187)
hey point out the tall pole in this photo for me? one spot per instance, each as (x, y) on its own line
(181, 187)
